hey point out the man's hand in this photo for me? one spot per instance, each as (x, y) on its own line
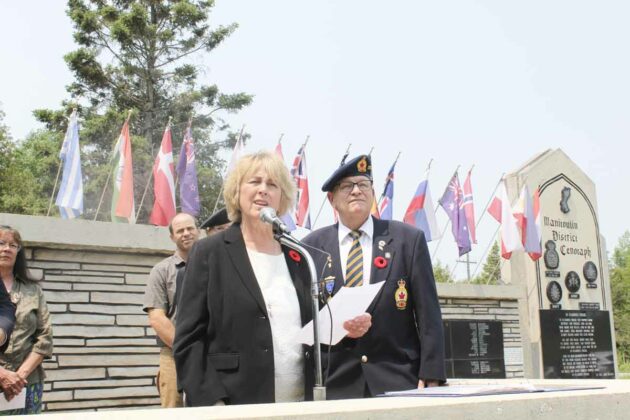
(358, 326)
(428, 383)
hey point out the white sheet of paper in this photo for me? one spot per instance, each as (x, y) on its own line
(19, 401)
(347, 303)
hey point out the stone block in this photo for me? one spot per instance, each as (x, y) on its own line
(28, 253)
(65, 319)
(106, 383)
(57, 396)
(140, 320)
(456, 310)
(55, 286)
(91, 332)
(117, 268)
(84, 256)
(105, 309)
(132, 278)
(475, 302)
(36, 273)
(47, 364)
(74, 374)
(109, 360)
(49, 265)
(105, 350)
(132, 372)
(84, 279)
(123, 402)
(108, 287)
(128, 391)
(68, 342)
(509, 304)
(502, 311)
(104, 297)
(57, 307)
(120, 342)
(66, 297)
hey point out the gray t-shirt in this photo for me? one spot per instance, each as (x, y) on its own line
(160, 290)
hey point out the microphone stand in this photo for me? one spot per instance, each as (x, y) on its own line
(319, 390)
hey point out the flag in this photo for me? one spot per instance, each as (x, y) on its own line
(452, 203)
(70, 195)
(187, 175)
(469, 208)
(536, 251)
(374, 210)
(164, 183)
(298, 171)
(123, 204)
(526, 221)
(237, 153)
(421, 212)
(286, 218)
(501, 210)
(387, 205)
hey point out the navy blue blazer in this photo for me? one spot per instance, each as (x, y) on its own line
(406, 340)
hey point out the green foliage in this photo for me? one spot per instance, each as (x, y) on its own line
(27, 173)
(442, 273)
(140, 56)
(620, 290)
(491, 271)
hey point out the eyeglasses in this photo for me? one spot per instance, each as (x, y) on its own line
(14, 247)
(347, 187)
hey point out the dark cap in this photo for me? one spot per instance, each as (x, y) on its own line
(218, 218)
(360, 165)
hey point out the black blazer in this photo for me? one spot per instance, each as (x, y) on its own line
(223, 346)
(7, 315)
(405, 343)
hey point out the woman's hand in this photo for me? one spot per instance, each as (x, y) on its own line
(11, 383)
(358, 326)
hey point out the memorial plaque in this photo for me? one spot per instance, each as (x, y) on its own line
(576, 344)
(474, 349)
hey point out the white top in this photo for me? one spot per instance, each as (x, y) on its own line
(283, 309)
(345, 243)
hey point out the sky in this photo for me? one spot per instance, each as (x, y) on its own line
(487, 83)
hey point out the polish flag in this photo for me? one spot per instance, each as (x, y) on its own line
(164, 183)
(501, 210)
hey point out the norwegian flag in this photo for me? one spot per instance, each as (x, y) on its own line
(164, 183)
(469, 208)
(298, 171)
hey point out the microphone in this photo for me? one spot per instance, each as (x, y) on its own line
(268, 215)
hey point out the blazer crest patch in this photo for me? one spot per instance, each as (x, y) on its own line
(401, 295)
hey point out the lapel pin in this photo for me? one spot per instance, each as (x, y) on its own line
(381, 244)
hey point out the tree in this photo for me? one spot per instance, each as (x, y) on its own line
(620, 290)
(138, 55)
(491, 271)
(442, 273)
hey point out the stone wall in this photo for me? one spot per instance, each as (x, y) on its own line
(93, 275)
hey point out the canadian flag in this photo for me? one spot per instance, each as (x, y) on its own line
(164, 183)
(501, 210)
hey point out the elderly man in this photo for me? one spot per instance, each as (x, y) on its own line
(217, 222)
(403, 348)
(160, 303)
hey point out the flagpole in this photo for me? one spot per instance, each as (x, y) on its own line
(343, 161)
(109, 174)
(216, 203)
(58, 173)
(378, 203)
(146, 188)
(485, 252)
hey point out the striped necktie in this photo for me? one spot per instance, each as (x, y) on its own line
(354, 266)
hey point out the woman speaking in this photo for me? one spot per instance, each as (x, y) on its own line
(244, 299)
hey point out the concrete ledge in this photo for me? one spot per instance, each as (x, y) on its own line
(478, 291)
(86, 234)
(611, 403)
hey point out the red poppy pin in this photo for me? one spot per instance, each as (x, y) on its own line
(380, 262)
(295, 256)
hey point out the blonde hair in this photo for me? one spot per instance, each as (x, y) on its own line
(248, 164)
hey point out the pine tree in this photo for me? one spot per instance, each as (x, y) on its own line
(491, 271)
(442, 273)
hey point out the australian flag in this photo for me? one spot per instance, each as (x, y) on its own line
(387, 204)
(452, 202)
(187, 175)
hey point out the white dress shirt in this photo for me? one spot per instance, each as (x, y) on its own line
(345, 243)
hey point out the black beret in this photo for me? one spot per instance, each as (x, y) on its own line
(218, 218)
(360, 165)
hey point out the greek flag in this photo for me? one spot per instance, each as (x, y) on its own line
(70, 196)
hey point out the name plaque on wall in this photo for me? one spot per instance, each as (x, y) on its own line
(576, 344)
(474, 349)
